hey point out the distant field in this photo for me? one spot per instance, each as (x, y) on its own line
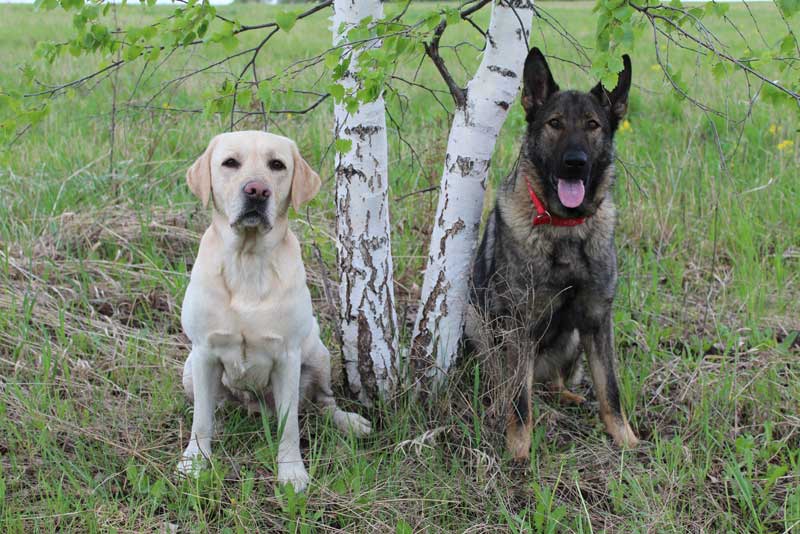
(93, 269)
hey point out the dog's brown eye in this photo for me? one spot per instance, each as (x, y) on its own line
(230, 163)
(555, 124)
(276, 165)
(592, 124)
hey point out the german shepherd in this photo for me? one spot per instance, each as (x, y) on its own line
(545, 273)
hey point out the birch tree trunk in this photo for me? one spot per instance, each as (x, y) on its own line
(476, 124)
(363, 244)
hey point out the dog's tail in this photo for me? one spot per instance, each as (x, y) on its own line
(320, 391)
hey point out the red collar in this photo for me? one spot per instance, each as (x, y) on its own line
(543, 216)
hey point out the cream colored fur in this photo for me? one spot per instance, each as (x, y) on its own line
(247, 309)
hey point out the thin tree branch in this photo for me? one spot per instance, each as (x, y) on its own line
(651, 13)
(432, 49)
(307, 13)
(56, 89)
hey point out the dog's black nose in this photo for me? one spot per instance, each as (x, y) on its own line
(575, 159)
(256, 190)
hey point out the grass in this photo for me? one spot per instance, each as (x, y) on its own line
(93, 269)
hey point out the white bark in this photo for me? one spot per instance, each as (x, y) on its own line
(440, 319)
(363, 245)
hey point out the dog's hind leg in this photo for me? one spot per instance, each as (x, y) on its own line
(559, 367)
(520, 420)
(188, 382)
(570, 372)
(565, 396)
(317, 363)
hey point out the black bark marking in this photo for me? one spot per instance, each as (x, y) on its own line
(349, 171)
(450, 232)
(465, 165)
(421, 357)
(516, 4)
(366, 370)
(505, 73)
(362, 131)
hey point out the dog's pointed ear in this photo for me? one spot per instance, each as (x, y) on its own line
(198, 177)
(305, 182)
(617, 100)
(537, 82)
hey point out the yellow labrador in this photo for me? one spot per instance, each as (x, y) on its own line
(247, 308)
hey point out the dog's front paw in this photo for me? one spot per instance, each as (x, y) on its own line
(621, 431)
(192, 462)
(295, 474)
(626, 438)
(352, 422)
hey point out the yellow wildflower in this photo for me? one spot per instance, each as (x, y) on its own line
(786, 144)
(625, 126)
(655, 67)
(288, 116)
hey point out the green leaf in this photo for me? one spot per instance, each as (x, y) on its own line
(775, 96)
(332, 59)
(341, 68)
(788, 7)
(343, 146)
(226, 30)
(190, 36)
(229, 43)
(154, 53)
(623, 13)
(602, 31)
(720, 70)
(716, 9)
(285, 20)
(265, 95)
(202, 28)
(244, 98)
(402, 45)
(351, 104)
(432, 20)
(132, 52)
(452, 15)
(697, 12)
(787, 45)
(337, 91)
(615, 64)
(358, 34)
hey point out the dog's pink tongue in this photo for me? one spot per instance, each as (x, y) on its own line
(570, 192)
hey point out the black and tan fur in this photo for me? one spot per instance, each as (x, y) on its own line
(545, 292)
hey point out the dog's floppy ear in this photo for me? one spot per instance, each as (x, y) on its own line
(617, 100)
(198, 177)
(305, 182)
(537, 82)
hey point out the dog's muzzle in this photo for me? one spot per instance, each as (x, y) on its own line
(252, 217)
(254, 208)
(572, 177)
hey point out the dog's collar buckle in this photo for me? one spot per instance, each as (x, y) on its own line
(543, 216)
